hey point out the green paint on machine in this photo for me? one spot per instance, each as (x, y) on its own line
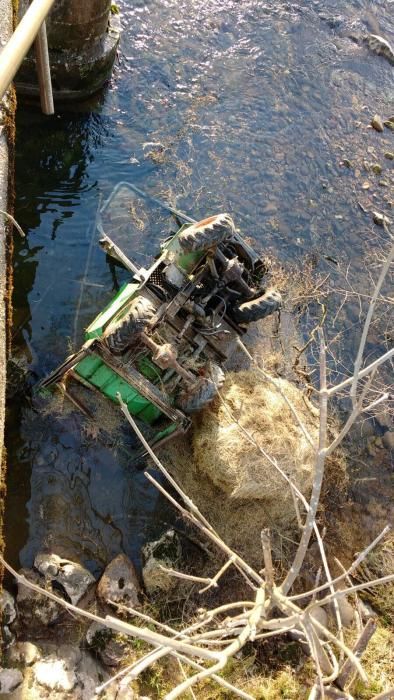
(93, 370)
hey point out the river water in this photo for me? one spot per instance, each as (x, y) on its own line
(215, 105)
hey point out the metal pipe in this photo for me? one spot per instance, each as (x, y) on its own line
(23, 37)
(44, 71)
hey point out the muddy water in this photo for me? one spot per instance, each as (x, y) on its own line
(249, 107)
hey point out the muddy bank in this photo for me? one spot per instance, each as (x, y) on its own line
(7, 126)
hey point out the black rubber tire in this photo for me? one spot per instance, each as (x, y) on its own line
(204, 393)
(122, 333)
(259, 308)
(206, 233)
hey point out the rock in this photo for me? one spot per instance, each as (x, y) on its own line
(108, 646)
(389, 155)
(389, 124)
(7, 608)
(53, 675)
(380, 46)
(346, 611)
(90, 675)
(166, 552)
(8, 637)
(320, 615)
(126, 693)
(366, 611)
(23, 654)
(10, 679)
(57, 671)
(119, 582)
(366, 428)
(74, 578)
(113, 653)
(91, 634)
(35, 610)
(388, 439)
(376, 168)
(377, 123)
(154, 150)
(380, 219)
(385, 420)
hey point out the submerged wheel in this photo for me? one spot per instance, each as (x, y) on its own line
(259, 308)
(194, 400)
(121, 334)
(206, 233)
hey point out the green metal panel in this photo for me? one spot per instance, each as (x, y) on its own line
(104, 378)
(126, 292)
(149, 369)
(187, 261)
(88, 365)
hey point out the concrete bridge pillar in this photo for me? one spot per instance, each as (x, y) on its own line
(82, 38)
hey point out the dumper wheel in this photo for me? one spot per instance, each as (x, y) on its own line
(206, 233)
(203, 393)
(259, 308)
(122, 333)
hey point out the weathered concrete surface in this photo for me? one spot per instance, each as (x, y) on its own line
(82, 41)
(6, 168)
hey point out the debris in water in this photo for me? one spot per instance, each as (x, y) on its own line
(377, 123)
(380, 46)
(380, 219)
(376, 168)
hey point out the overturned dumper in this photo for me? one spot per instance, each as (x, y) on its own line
(162, 341)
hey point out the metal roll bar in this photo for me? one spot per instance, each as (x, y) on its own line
(31, 28)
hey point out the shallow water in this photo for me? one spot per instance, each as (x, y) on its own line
(255, 105)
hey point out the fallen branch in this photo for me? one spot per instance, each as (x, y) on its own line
(14, 222)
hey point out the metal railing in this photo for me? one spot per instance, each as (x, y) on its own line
(31, 29)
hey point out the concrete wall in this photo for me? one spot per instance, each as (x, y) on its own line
(83, 36)
(7, 124)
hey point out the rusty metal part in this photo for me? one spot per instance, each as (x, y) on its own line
(111, 249)
(233, 270)
(143, 385)
(165, 356)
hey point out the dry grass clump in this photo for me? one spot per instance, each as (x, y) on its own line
(378, 662)
(238, 467)
(233, 484)
(379, 563)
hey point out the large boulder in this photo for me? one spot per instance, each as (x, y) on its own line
(35, 610)
(119, 583)
(72, 577)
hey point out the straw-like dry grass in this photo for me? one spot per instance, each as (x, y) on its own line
(238, 467)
